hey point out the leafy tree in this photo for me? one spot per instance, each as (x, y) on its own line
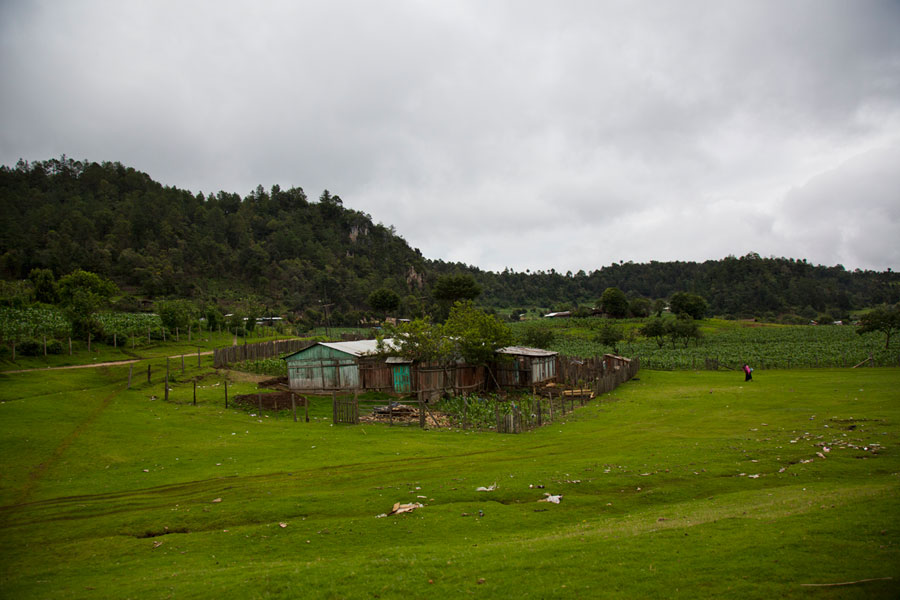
(683, 328)
(476, 335)
(214, 317)
(236, 322)
(82, 293)
(659, 305)
(686, 303)
(655, 328)
(44, 286)
(176, 314)
(610, 334)
(639, 308)
(885, 319)
(614, 303)
(449, 289)
(419, 340)
(384, 301)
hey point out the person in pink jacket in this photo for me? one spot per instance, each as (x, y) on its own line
(748, 373)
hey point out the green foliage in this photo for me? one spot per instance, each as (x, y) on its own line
(655, 329)
(162, 241)
(176, 313)
(449, 289)
(884, 319)
(732, 342)
(476, 334)
(34, 347)
(82, 293)
(214, 317)
(659, 305)
(384, 300)
(537, 336)
(419, 339)
(32, 322)
(683, 329)
(128, 324)
(639, 308)
(685, 303)
(44, 286)
(610, 334)
(264, 366)
(614, 303)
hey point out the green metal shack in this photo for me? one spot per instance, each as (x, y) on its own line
(331, 366)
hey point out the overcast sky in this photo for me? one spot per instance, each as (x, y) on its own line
(520, 134)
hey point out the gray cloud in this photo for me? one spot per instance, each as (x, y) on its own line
(523, 134)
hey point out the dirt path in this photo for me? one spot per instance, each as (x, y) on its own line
(103, 364)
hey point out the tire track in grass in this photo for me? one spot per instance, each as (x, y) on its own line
(36, 473)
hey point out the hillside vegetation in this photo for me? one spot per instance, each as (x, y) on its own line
(295, 255)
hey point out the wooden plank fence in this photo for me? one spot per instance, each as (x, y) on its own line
(235, 354)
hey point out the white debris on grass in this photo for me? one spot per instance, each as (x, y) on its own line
(489, 488)
(400, 508)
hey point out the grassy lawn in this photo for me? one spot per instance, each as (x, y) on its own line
(678, 485)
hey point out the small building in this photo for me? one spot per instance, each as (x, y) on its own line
(346, 366)
(530, 366)
(558, 315)
(357, 365)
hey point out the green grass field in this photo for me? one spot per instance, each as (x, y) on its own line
(678, 485)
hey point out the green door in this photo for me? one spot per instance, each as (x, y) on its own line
(402, 381)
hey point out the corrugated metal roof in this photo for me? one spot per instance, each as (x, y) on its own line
(524, 351)
(360, 347)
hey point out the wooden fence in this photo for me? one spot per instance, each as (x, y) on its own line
(257, 351)
(602, 373)
(345, 410)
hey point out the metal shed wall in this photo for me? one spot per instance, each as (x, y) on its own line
(322, 368)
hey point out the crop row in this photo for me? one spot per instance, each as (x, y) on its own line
(765, 347)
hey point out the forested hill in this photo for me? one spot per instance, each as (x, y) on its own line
(294, 254)
(162, 241)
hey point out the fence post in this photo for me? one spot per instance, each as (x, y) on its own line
(294, 407)
(70, 348)
(421, 410)
(167, 385)
(306, 407)
(226, 393)
(334, 415)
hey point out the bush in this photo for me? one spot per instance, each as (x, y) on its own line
(31, 347)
